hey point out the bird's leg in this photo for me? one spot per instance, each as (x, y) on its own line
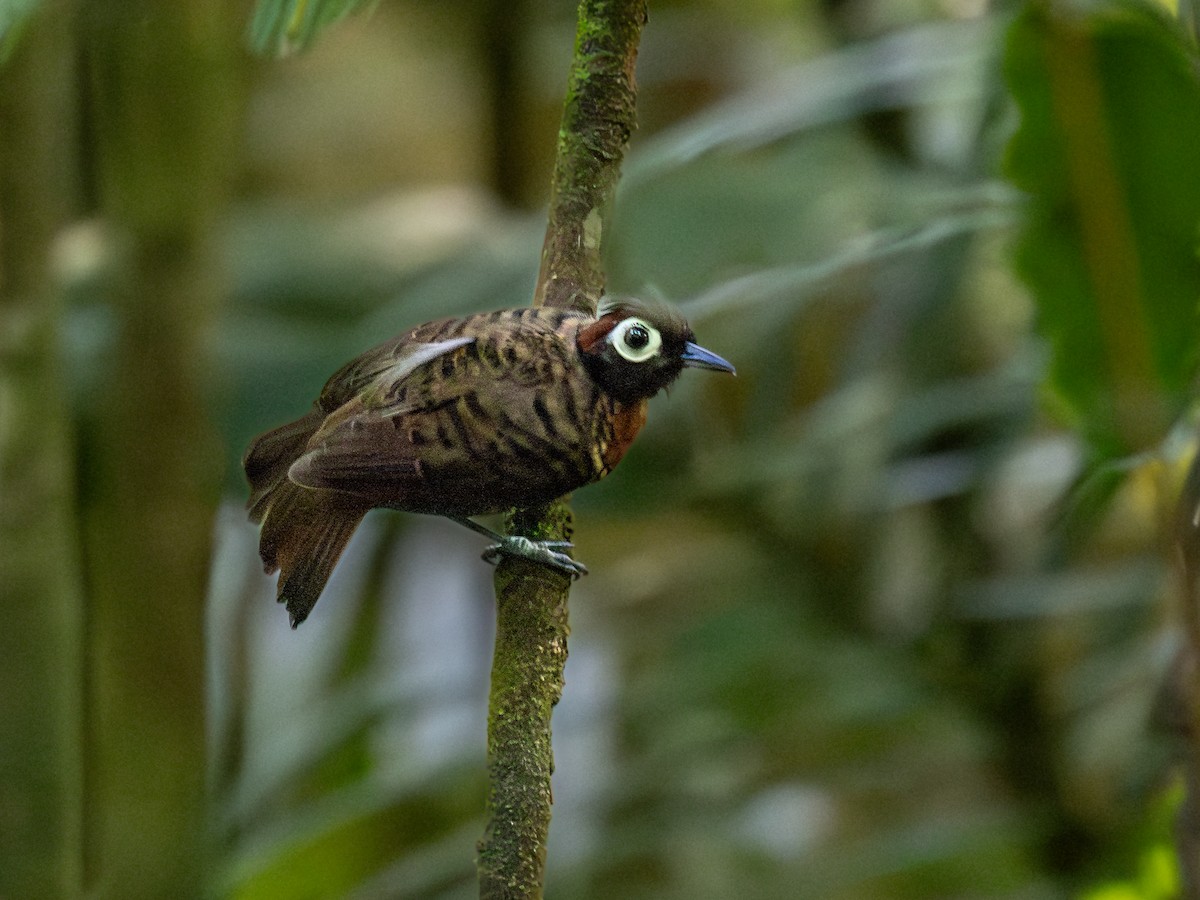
(548, 553)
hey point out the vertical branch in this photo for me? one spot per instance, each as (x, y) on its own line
(41, 644)
(531, 600)
(598, 118)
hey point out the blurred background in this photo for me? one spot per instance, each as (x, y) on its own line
(886, 616)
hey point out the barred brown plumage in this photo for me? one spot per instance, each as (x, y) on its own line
(462, 417)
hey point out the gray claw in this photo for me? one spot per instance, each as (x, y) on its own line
(542, 552)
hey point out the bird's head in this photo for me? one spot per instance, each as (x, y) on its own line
(634, 349)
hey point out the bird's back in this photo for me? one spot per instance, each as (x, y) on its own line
(510, 417)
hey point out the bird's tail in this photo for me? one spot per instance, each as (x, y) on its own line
(269, 457)
(303, 531)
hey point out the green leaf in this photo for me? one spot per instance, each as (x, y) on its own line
(13, 15)
(281, 27)
(1189, 17)
(1107, 100)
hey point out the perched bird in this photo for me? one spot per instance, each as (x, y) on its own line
(462, 417)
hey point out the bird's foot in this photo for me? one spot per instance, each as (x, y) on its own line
(547, 553)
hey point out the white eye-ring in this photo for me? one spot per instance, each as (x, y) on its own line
(636, 340)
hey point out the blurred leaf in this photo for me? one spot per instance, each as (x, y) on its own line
(282, 27)
(1110, 247)
(790, 282)
(941, 60)
(434, 871)
(13, 14)
(1189, 15)
(1157, 876)
(1158, 879)
(295, 750)
(348, 836)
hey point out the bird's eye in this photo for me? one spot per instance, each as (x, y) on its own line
(635, 340)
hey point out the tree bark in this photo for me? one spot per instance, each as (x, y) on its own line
(531, 600)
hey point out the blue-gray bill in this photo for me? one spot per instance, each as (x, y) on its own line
(696, 357)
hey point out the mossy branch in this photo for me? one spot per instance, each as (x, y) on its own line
(531, 600)
(598, 118)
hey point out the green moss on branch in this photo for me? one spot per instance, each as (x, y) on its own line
(598, 119)
(531, 600)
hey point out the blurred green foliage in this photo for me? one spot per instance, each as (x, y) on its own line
(13, 14)
(1110, 248)
(280, 27)
(874, 619)
(1156, 876)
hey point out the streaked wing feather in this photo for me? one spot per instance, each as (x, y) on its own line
(417, 354)
(496, 423)
(388, 363)
(357, 454)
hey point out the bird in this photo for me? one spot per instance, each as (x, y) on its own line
(462, 417)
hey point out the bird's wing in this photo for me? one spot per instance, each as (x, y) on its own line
(391, 362)
(460, 430)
